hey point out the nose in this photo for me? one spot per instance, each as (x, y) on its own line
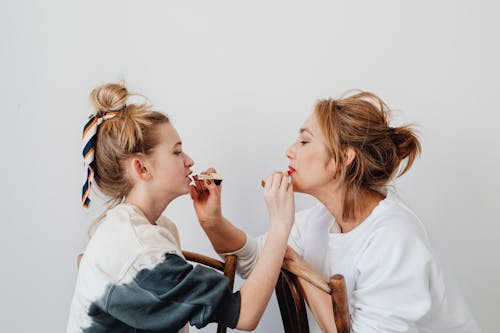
(188, 162)
(290, 152)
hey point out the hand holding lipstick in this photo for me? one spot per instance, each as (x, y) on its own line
(278, 195)
(206, 195)
(290, 172)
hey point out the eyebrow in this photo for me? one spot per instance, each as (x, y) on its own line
(302, 130)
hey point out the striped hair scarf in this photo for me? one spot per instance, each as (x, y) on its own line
(89, 140)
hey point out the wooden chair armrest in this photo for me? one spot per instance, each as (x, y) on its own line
(189, 256)
(200, 258)
(307, 274)
(335, 287)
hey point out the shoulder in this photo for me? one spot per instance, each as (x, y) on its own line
(398, 234)
(394, 219)
(123, 236)
(165, 222)
(114, 243)
(161, 237)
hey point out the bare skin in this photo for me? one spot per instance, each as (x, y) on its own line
(315, 174)
(162, 176)
(258, 288)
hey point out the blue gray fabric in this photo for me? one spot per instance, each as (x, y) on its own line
(164, 298)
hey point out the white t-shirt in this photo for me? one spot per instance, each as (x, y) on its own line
(395, 282)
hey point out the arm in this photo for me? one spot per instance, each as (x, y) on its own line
(318, 301)
(223, 235)
(166, 292)
(320, 304)
(259, 286)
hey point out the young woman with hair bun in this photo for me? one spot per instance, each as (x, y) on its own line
(346, 156)
(133, 276)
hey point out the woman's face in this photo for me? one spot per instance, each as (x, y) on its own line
(314, 168)
(170, 167)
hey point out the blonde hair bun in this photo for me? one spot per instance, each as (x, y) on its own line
(111, 96)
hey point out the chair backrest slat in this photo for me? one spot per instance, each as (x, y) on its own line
(291, 300)
(340, 304)
(291, 304)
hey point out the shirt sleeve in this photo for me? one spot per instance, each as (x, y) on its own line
(248, 255)
(168, 295)
(392, 292)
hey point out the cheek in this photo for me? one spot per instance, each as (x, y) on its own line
(170, 168)
(313, 160)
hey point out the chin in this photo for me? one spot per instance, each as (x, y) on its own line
(296, 187)
(299, 189)
(186, 191)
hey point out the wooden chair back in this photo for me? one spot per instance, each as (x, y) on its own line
(291, 300)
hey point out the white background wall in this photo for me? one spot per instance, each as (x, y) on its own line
(238, 78)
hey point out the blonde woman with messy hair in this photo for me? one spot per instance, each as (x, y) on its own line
(345, 156)
(133, 276)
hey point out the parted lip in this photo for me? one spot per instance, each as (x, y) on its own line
(291, 169)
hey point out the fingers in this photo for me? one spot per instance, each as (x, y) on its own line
(278, 181)
(210, 170)
(198, 184)
(266, 183)
(290, 254)
(194, 193)
(207, 187)
(198, 191)
(212, 188)
(284, 182)
(277, 176)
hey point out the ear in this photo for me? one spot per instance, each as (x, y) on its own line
(138, 169)
(349, 155)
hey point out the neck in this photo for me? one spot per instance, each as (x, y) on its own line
(151, 207)
(332, 200)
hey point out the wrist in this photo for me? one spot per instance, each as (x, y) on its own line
(280, 226)
(286, 221)
(211, 222)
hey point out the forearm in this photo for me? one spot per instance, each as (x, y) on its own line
(224, 236)
(321, 306)
(259, 286)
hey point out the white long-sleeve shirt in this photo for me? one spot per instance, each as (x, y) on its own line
(395, 282)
